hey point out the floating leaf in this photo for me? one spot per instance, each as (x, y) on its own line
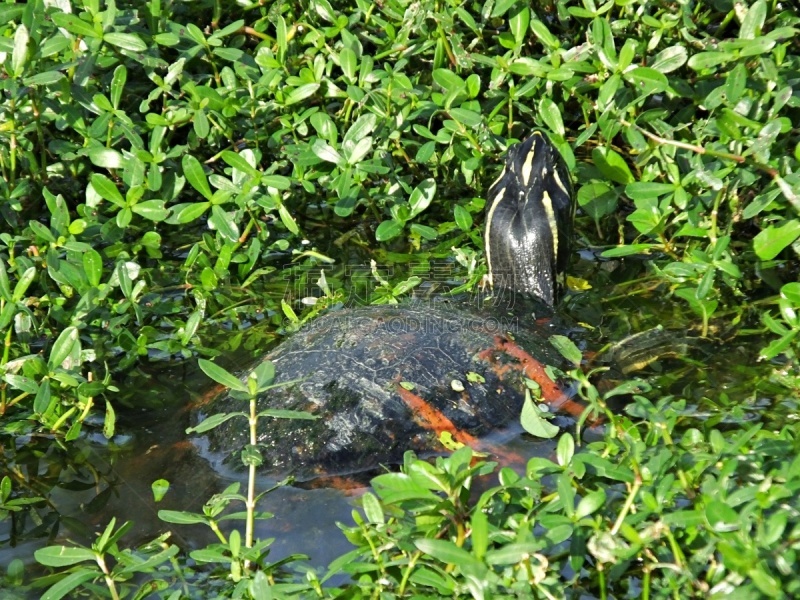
(534, 422)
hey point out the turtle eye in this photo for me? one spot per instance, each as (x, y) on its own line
(528, 220)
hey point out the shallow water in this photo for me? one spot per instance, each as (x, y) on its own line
(100, 480)
(90, 481)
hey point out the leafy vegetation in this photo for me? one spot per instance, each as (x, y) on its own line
(171, 170)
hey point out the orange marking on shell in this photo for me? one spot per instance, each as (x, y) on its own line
(349, 486)
(431, 418)
(552, 394)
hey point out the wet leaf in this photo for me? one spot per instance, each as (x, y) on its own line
(109, 421)
(772, 240)
(567, 348)
(388, 230)
(221, 376)
(195, 175)
(62, 556)
(160, 488)
(533, 421)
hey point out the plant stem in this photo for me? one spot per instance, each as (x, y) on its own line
(107, 576)
(637, 483)
(251, 483)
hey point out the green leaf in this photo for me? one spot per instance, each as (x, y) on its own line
(501, 7)
(62, 556)
(70, 582)
(288, 220)
(447, 552)
(264, 374)
(279, 182)
(63, 347)
(533, 421)
(239, 162)
(565, 449)
(425, 232)
(191, 326)
(361, 128)
(23, 284)
(151, 209)
(288, 414)
(126, 41)
(327, 152)
(372, 509)
(598, 199)
(628, 250)
(647, 81)
(612, 165)
(301, 93)
(19, 55)
(721, 517)
(213, 421)
(195, 175)
(466, 117)
(25, 384)
(753, 21)
(480, 533)
(791, 291)
(151, 562)
(422, 196)
(45, 78)
(448, 80)
(349, 63)
(223, 222)
(325, 10)
(359, 151)
(43, 399)
(707, 60)
(74, 24)
(388, 230)
(567, 348)
(181, 517)
(462, 217)
(519, 21)
(514, 553)
(590, 503)
(604, 467)
(5, 285)
(107, 158)
(188, 212)
(648, 189)
(772, 240)
(736, 83)
(160, 488)
(551, 115)
(109, 421)
(670, 59)
(221, 376)
(541, 31)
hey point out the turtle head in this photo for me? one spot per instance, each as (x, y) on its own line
(529, 220)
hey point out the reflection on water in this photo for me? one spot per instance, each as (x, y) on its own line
(88, 482)
(92, 481)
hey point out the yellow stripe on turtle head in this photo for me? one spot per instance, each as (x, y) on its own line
(487, 233)
(526, 166)
(547, 202)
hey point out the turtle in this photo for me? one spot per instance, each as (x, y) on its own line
(422, 375)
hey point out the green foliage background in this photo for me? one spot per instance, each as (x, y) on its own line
(157, 157)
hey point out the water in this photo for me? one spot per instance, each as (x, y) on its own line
(88, 482)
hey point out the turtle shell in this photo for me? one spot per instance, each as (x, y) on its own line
(386, 379)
